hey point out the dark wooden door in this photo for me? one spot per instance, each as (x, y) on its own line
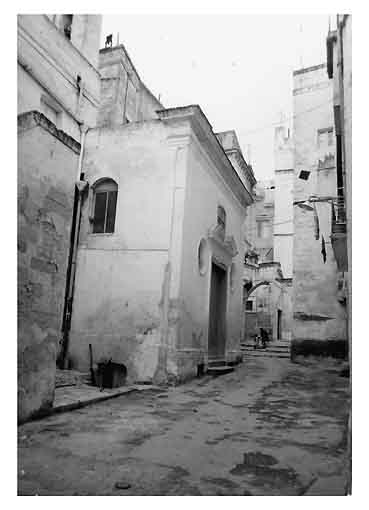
(217, 312)
(279, 325)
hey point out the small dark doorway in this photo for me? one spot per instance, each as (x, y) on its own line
(279, 325)
(217, 312)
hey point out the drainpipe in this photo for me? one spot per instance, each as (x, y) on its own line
(81, 185)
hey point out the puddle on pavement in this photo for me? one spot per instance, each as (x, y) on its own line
(262, 468)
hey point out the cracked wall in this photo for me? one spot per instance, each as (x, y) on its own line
(47, 162)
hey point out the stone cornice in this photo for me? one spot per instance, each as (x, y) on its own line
(284, 171)
(118, 55)
(34, 118)
(308, 69)
(205, 135)
(247, 169)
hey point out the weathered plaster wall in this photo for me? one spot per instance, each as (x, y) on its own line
(47, 163)
(318, 315)
(125, 271)
(205, 191)
(48, 65)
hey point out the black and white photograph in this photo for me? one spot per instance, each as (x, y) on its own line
(184, 253)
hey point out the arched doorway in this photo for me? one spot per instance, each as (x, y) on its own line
(257, 310)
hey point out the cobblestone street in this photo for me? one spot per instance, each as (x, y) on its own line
(270, 427)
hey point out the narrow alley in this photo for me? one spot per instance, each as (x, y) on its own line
(271, 427)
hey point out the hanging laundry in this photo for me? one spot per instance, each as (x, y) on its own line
(324, 253)
(316, 223)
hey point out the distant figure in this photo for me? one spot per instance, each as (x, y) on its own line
(264, 337)
(256, 341)
(109, 41)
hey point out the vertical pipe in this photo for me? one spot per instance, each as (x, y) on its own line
(71, 270)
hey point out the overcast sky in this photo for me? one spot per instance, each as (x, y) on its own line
(238, 68)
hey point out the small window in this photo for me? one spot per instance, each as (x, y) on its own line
(249, 306)
(221, 220)
(263, 229)
(105, 203)
(202, 257)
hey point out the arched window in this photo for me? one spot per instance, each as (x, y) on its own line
(104, 207)
(221, 220)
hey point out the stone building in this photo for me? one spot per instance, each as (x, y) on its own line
(165, 264)
(269, 238)
(283, 199)
(319, 311)
(124, 97)
(339, 69)
(267, 292)
(160, 243)
(58, 98)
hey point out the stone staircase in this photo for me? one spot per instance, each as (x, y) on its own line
(274, 349)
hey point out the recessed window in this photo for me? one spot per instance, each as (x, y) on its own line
(104, 207)
(232, 277)
(263, 229)
(221, 220)
(202, 257)
(325, 137)
(249, 306)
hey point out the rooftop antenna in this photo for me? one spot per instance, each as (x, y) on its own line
(159, 97)
(118, 39)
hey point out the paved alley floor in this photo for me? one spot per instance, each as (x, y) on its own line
(271, 427)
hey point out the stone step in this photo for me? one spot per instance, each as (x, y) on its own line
(219, 370)
(260, 353)
(283, 345)
(269, 348)
(216, 362)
